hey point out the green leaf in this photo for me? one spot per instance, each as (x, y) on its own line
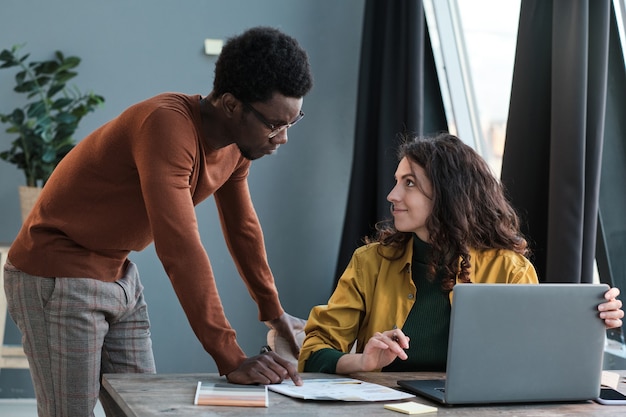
(36, 110)
(42, 80)
(70, 62)
(10, 59)
(49, 155)
(66, 118)
(6, 56)
(43, 125)
(55, 88)
(46, 67)
(20, 77)
(25, 87)
(62, 102)
(65, 76)
(17, 117)
(46, 136)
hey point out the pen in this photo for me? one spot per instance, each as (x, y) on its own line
(394, 337)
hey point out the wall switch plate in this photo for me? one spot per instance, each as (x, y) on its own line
(213, 46)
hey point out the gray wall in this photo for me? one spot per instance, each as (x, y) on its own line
(132, 50)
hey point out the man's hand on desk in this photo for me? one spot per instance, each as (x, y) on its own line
(267, 368)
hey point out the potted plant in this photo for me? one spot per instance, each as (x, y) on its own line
(46, 123)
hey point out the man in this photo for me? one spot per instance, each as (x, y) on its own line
(74, 294)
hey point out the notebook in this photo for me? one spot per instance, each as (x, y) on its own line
(512, 343)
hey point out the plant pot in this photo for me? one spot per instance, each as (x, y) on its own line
(28, 197)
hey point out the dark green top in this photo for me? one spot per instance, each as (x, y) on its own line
(427, 325)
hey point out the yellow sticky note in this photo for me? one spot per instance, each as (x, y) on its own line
(411, 407)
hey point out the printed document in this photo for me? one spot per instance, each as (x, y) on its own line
(339, 389)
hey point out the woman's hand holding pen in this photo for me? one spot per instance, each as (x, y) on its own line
(382, 349)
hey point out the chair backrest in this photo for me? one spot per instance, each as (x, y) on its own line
(11, 356)
(280, 346)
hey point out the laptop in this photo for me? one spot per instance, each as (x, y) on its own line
(512, 343)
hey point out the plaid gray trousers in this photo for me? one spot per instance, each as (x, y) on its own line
(76, 329)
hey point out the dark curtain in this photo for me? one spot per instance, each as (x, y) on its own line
(554, 138)
(611, 248)
(398, 92)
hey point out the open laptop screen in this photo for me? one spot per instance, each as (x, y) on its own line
(522, 343)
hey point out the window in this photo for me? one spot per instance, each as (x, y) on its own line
(474, 46)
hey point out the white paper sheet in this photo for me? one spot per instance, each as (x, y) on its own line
(339, 389)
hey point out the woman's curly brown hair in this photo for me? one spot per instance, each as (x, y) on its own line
(470, 209)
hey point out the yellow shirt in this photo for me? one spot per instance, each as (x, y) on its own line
(374, 294)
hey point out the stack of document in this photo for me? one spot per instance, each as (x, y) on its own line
(339, 389)
(231, 394)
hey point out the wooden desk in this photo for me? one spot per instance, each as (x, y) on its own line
(172, 395)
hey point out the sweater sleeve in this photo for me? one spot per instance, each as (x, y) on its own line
(164, 153)
(245, 242)
(324, 360)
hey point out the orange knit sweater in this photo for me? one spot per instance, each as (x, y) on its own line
(135, 181)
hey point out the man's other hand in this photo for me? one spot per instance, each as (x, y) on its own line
(266, 368)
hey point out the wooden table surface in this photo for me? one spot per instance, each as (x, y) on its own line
(142, 395)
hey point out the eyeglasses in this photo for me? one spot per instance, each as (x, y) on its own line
(274, 129)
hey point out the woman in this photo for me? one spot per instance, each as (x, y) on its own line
(451, 224)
